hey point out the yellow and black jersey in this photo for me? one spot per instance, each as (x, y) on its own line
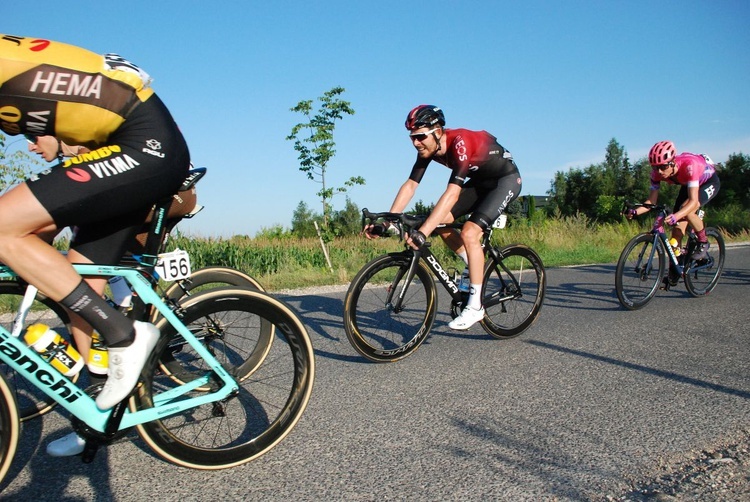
(52, 88)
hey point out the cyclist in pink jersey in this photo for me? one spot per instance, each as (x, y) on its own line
(700, 183)
(484, 180)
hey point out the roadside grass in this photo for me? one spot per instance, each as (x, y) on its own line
(289, 263)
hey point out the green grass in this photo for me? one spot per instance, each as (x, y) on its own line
(289, 263)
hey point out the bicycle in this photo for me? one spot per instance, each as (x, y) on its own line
(391, 303)
(642, 263)
(31, 306)
(217, 418)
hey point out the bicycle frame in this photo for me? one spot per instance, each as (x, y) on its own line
(660, 235)
(28, 363)
(432, 262)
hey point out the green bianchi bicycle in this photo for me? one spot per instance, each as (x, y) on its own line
(391, 303)
(203, 413)
(22, 305)
(649, 262)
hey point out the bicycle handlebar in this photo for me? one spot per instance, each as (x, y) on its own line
(648, 205)
(400, 220)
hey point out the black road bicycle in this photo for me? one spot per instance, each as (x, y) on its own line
(391, 303)
(648, 262)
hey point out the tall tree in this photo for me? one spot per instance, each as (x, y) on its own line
(313, 140)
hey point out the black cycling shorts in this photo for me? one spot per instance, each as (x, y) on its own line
(706, 192)
(487, 199)
(109, 192)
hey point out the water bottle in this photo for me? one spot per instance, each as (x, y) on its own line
(464, 284)
(98, 357)
(52, 347)
(122, 295)
(675, 246)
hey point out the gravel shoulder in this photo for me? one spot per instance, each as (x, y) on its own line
(721, 473)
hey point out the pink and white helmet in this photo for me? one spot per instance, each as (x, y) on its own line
(661, 153)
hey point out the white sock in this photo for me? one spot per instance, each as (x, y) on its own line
(464, 257)
(475, 297)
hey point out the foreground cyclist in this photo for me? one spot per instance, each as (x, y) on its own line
(699, 184)
(138, 156)
(495, 183)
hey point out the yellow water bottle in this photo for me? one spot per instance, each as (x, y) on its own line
(52, 347)
(98, 362)
(675, 246)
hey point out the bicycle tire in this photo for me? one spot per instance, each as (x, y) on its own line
(373, 328)
(209, 278)
(10, 426)
(269, 403)
(31, 401)
(702, 276)
(521, 278)
(636, 279)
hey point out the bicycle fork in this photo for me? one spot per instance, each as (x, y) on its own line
(397, 306)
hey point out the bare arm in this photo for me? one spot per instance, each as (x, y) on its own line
(404, 196)
(442, 211)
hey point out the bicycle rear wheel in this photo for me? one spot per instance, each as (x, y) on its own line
(31, 401)
(210, 278)
(514, 290)
(270, 401)
(702, 276)
(373, 325)
(637, 277)
(218, 340)
(10, 427)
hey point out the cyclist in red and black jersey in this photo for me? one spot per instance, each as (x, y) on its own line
(484, 180)
(136, 156)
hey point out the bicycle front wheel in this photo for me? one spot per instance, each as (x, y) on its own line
(702, 276)
(640, 270)
(10, 427)
(514, 288)
(380, 325)
(270, 400)
(31, 401)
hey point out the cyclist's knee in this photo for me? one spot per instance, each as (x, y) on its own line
(470, 232)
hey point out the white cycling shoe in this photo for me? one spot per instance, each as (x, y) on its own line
(468, 318)
(67, 446)
(125, 365)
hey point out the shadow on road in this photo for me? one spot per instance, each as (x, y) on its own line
(645, 369)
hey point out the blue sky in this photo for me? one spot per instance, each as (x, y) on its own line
(553, 80)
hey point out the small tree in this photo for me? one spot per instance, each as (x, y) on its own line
(302, 221)
(14, 168)
(317, 148)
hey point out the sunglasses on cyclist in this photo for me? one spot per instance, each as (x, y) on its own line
(31, 139)
(663, 167)
(421, 136)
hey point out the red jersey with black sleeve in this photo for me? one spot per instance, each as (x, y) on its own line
(470, 154)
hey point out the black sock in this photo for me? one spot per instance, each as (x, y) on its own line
(116, 329)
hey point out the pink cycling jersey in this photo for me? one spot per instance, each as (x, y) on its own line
(692, 171)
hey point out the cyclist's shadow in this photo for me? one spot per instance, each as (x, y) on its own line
(49, 477)
(322, 314)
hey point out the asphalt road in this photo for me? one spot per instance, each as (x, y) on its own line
(591, 397)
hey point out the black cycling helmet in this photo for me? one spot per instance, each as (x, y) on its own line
(424, 116)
